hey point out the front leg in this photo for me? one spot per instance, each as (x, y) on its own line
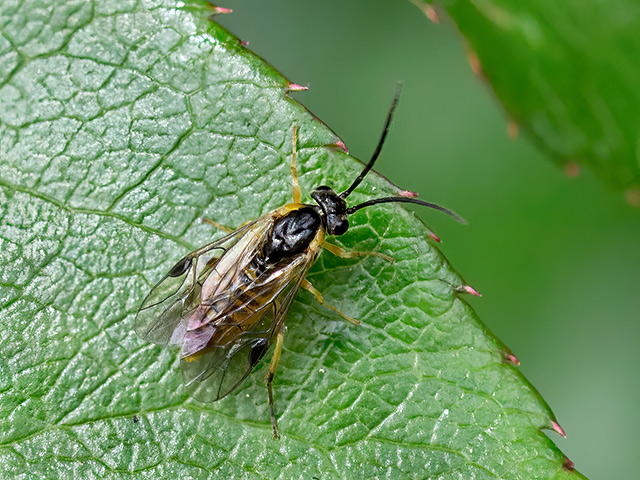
(306, 284)
(339, 252)
(218, 225)
(297, 194)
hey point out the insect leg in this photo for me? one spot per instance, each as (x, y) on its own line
(339, 252)
(306, 284)
(218, 225)
(270, 374)
(297, 195)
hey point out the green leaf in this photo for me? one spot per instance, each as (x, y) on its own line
(567, 72)
(121, 125)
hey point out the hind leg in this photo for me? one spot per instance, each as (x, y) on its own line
(269, 379)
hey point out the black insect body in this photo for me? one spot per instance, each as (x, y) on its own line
(293, 233)
(225, 304)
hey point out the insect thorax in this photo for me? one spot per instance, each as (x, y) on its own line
(293, 233)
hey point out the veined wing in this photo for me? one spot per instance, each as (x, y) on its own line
(171, 300)
(224, 366)
(238, 300)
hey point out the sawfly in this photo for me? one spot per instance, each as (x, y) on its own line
(225, 304)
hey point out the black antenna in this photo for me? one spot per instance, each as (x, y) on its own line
(375, 201)
(364, 172)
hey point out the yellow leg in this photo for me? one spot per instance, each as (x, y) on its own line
(339, 252)
(297, 195)
(218, 225)
(306, 284)
(269, 379)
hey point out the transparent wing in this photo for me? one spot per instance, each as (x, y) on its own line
(224, 305)
(223, 368)
(166, 306)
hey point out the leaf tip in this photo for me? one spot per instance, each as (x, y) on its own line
(568, 465)
(341, 144)
(294, 87)
(556, 426)
(572, 169)
(428, 11)
(468, 289)
(509, 357)
(216, 10)
(431, 14)
(474, 63)
(513, 129)
(633, 197)
(408, 194)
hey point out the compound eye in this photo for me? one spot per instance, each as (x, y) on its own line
(337, 224)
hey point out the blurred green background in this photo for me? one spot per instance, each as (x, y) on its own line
(556, 258)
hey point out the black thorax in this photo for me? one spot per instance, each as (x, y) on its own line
(292, 234)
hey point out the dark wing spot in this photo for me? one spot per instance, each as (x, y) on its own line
(257, 352)
(182, 266)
